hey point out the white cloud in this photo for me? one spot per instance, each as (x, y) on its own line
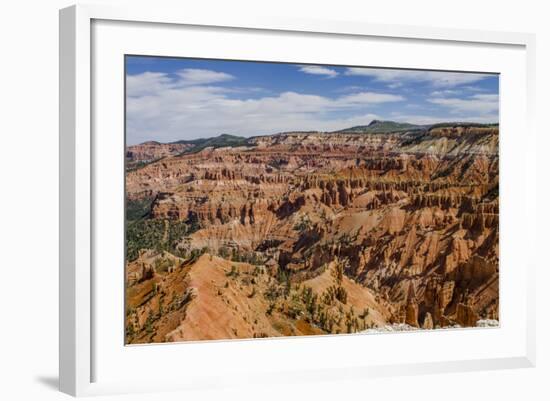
(318, 70)
(208, 113)
(147, 82)
(194, 76)
(155, 82)
(369, 97)
(445, 92)
(480, 108)
(395, 85)
(191, 104)
(349, 88)
(473, 88)
(168, 109)
(480, 103)
(432, 119)
(435, 78)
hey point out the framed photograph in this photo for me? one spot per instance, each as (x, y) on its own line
(294, 200)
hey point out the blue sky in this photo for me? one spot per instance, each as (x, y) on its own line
(174, 98)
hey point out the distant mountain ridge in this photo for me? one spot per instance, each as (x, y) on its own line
(220, 141)
(149, 151)
(374, 127)
(382, 127)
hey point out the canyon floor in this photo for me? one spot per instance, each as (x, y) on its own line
(310, 233)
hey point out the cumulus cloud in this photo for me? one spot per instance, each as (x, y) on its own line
(168, 108)
(479, 108)
(193, 103)
(369, 97)
(194, 76)
(446, 92)
(433, 119)
(146, 83)
(480, 103)
(155, 82)
(318, 70)
(435, 78)
(395, 85)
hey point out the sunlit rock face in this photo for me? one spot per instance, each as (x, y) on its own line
(383, 229)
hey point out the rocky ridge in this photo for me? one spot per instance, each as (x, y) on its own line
(410, 218)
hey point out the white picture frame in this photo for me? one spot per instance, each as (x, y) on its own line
(80, 344)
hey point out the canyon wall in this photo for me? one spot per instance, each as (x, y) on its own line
(411, 218)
